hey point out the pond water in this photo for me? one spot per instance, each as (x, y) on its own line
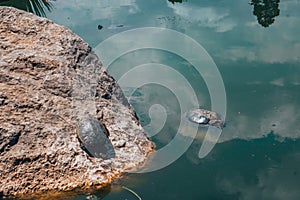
(255, 46)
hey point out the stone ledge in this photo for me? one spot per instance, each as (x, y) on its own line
(39, 149)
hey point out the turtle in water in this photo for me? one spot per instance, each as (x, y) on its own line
(205, 117)
(93, 137)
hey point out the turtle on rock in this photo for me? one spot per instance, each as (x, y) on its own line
(93, 137)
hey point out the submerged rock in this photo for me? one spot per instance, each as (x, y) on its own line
(45, 89)
(205, 117)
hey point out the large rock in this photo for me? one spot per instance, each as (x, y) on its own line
(49, 79)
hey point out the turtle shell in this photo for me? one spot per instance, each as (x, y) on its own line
(205, 117)
(94, 138)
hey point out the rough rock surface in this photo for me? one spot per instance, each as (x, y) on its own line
(44, 89)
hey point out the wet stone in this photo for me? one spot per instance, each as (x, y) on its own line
(205, 118)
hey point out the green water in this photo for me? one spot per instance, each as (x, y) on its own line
(258, 153)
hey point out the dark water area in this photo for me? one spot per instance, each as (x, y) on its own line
(255, 46)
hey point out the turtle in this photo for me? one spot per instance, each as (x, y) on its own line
(205, 118)
(93, 137)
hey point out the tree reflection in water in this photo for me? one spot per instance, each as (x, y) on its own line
(265, 11)
(176, 1)
(34, 6)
